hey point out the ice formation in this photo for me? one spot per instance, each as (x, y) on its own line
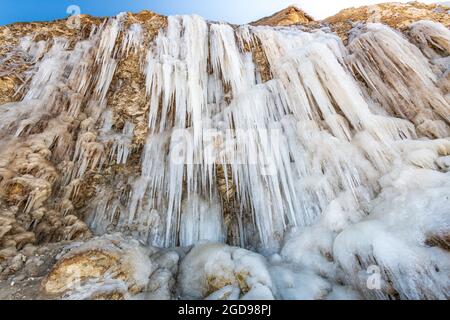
(336, 165)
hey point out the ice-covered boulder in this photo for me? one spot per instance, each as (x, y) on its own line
(109, 267)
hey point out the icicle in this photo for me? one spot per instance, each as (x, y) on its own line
(432, 38)
(132, 41)
(305, 149)
(399, 77)
(200, 221)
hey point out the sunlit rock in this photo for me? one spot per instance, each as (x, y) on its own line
(108, 267)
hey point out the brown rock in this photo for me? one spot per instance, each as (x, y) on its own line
(396, 15)
(100, 266)
(289, 16)
(439, 240)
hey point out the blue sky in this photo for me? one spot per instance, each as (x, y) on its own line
(234, 11)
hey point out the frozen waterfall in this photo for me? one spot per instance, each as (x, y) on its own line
(335, 160)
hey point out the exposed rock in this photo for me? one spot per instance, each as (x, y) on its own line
(396, 15)
(104, 268)
(289, 16)
(439, 240)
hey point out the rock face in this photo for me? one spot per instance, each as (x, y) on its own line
(41, 199)
(289, 16)
(152, 157)
(395, 15)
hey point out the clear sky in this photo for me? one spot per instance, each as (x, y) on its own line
(234, 11)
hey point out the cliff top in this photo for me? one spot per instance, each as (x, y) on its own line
(289, 16)
(396, 15)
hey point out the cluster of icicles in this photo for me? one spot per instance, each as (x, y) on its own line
(288, 146)
(306, 148)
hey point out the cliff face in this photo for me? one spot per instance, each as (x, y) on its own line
(14, 63)
(314, 145)
(395, 15)
(33, 211)
(289, 16)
